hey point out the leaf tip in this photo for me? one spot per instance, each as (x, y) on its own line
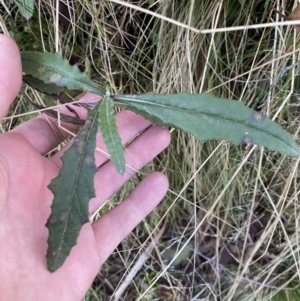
(121, 170)
(52, 263)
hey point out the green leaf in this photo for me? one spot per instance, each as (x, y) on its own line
(26, 8)
(110, 134)
(72, 189)
(51, 68)
(208, 117)
(39, 85)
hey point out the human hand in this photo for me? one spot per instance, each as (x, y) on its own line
(25, 199)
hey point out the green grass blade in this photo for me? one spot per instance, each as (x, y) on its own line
(110, 134)
(72, 189)
(51, 68)
(208, 117)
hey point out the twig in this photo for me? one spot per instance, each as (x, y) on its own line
(138, 265)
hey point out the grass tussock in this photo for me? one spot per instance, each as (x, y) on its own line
(231, 217)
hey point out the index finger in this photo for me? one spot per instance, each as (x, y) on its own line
(10, 73)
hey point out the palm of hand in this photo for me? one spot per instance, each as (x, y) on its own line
(24, 235)
(25, 199)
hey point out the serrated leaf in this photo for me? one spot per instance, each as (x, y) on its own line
(26, 8)
(110, 134)
(72, 189)
(208, 117)
(51, 68)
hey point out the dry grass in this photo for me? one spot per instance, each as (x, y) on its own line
(232, 212)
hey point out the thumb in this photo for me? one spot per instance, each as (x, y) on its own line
(10, 73)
